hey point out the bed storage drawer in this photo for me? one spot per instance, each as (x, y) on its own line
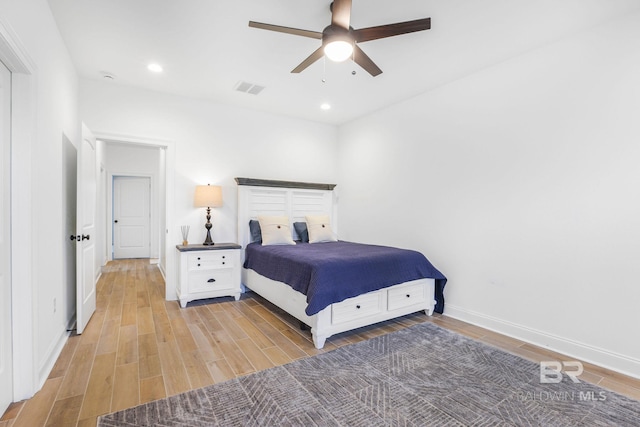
(406, 296)
(357, 307)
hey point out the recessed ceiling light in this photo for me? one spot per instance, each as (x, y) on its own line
(325, 106)
(156, 68)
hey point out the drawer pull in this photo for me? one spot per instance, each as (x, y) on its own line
(211, 280)
(222, 256)
(358, 306)
(198, 265)
(222, 262)
(408, 295)
(198, 258)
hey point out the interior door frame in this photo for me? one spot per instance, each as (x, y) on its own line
(171, 233)
(109, 221)
(23, 121)
(6, 324)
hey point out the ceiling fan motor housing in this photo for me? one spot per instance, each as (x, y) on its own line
(334, 33)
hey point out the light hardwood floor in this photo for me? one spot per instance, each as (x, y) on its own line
(138, 347)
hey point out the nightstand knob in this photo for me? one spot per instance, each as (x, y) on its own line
(211, 280)
(408, 296)
(222, 262)
(358, 306)
(222, 256)
(198, 258)
(198, 265)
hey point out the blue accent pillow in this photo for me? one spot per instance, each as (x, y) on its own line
(301, 229)
(256, 232)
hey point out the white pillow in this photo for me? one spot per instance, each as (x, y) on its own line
(319, 228)
(275, 230)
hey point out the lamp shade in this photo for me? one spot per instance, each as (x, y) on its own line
(208, 196)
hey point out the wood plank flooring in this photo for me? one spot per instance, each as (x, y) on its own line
(138, 347)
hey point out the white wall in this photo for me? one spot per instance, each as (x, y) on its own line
(136, 160)
(520, 183)
(50, 103)
(214, 143)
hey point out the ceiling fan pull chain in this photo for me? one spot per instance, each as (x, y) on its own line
(353, 59)
(324, 69)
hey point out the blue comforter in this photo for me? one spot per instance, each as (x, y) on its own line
(334, 271)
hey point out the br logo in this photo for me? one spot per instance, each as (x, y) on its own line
(551, 371)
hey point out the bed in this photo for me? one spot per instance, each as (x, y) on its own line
(418, 287)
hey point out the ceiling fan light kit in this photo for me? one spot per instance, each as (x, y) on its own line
(338, 50)
(338, 43)
(339, 40)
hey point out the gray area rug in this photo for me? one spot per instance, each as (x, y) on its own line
(420, 376)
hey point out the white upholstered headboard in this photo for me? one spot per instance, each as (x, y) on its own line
(294, 199)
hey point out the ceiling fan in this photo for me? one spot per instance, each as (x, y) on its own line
(339, 39)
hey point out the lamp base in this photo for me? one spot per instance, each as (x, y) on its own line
(208, 225)
(208, 241)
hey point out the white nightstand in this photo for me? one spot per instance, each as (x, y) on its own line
(208, 272)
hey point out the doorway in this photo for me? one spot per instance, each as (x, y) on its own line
(135, 156)
(131, 217)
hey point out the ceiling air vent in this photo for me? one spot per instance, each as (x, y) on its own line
(251, 88)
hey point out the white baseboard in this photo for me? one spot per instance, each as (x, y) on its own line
(54, 352)
(103, 267)
(587, 353)
(164, 274)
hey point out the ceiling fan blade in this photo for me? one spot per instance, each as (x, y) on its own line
(287, 30)
(341, 13)
(390, 30)
(365, 62)
(310, 60)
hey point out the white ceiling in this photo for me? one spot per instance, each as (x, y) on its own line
(206, 46)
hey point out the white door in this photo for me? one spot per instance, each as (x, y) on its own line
(6, 363)
(131, 217)
(86, 230)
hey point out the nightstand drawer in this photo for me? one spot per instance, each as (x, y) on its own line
(204, 281)
(357, 307)
(209, 260)
(406, 296)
